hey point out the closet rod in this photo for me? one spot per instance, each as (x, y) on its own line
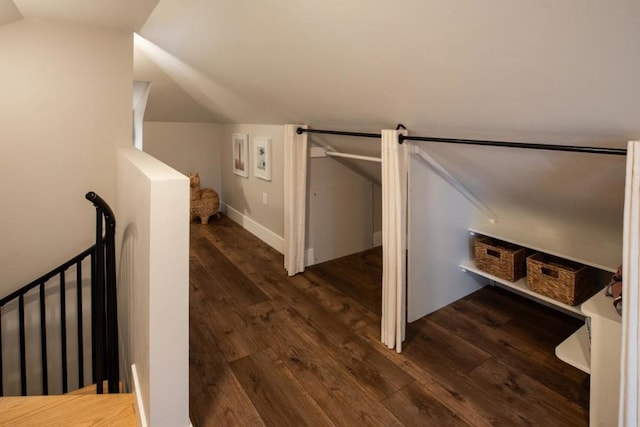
(552, 147)
(354, 156)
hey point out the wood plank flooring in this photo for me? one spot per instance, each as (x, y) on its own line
(268, 349)
(115, 410)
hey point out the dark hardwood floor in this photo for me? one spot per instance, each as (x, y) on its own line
(268, 349)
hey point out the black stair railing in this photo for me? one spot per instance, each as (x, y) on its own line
(104, 296)
(104, 317)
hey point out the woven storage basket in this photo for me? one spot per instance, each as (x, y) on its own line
(562, 280)
(499, 258)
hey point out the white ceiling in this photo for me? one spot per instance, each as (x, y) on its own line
(167, 102)
(123, 14)
(529, 70)
(9, 12)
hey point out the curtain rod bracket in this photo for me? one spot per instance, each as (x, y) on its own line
(400, 125)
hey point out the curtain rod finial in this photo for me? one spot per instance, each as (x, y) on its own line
(299, 131)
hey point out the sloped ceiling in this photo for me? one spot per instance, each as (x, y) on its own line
(575, 194)
(167, 102)
(9, 12)
(123, 14)
(531, 68)
(531, 71)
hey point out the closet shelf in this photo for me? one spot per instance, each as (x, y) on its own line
(602, 306)
(576, 351)
(520, 286)
(602, 256)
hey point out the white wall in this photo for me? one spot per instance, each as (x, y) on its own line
(65, 106)
(245, 195)
(153, 275)
(377, 214)
(187, 147)
(438, 240)
(340, 211)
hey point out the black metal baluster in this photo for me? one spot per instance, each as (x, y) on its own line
(80, 338)
(43, 342)
(23, 349)
(63, 331)
(93, 316)
(112, 312)
(103, 301)
(19, 295)
(1, 375)
(98, 307)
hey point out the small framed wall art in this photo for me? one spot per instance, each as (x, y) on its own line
(240, 154)
(262, 158)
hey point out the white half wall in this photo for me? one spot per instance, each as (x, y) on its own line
(187, 147)
(65, 106)
(152, 208)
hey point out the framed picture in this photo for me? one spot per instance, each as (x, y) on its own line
(240, 154)
(262, 158)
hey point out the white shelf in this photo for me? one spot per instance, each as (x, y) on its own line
(575, 350)
(601, 305)
(601, 255)
(520, 287)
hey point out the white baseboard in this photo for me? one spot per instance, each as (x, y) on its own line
(377, 238)
(138, 403)
(258, 230)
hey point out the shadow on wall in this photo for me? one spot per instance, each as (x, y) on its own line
(126, 270)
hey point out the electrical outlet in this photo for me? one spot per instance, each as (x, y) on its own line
(264, 198)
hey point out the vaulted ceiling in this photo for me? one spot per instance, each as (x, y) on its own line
(530, 71)
(562, 72)
(543, 70)
(531, 68)
(124, 14)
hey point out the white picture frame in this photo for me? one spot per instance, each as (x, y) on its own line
(240, 152)
(262, 158)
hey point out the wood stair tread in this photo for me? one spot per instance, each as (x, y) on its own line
(91, 389)
(68, 410)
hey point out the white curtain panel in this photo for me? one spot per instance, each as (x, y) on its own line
(629, 368)
(295, 198)
(394, 238)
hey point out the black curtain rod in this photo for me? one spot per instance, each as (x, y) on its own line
(552, 147)
(526, 145)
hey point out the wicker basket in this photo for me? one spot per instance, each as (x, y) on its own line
(501, 259)
(562, 280)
